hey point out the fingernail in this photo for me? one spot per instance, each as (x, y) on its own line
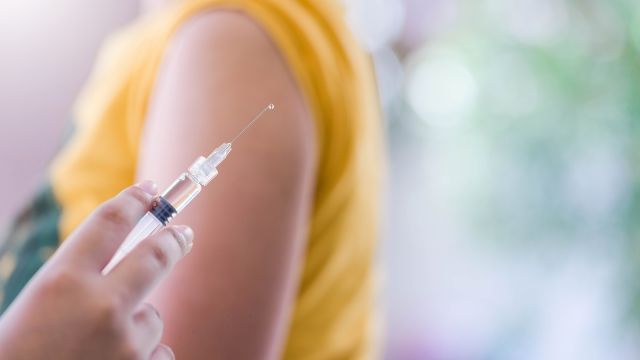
(155, 311)
(163, 352)
(148, 186)
(187, 235)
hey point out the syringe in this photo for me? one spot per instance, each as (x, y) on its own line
(175, 198)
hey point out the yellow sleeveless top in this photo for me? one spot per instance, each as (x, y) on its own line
(333, 317)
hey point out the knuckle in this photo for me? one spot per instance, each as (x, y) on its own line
(128, 351)
(62, 281)
(109, 313)
(115, 214)
(159, 255)
(150, 314)
(108, 320)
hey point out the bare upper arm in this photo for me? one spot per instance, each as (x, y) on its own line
(230, 298)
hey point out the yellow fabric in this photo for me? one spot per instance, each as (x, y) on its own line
(333, 316)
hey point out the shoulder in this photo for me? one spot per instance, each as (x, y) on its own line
(228, 35)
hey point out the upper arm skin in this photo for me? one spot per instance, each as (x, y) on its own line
(231, 297)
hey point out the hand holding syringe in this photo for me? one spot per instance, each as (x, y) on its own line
(178, 196)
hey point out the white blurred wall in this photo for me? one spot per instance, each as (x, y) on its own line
(46, 52)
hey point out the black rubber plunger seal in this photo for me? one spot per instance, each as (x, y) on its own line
(162, 210)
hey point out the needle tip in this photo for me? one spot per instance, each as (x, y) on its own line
(269, 107)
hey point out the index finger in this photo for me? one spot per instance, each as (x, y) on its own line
(140, 271)
(96, 239)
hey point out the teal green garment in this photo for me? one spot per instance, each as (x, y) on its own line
(31, 240)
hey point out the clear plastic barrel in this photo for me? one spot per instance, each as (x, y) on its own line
(182, 191)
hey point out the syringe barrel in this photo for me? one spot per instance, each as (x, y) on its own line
(164, 208)
(181, 192)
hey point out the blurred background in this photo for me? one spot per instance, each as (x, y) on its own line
(514, 179)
